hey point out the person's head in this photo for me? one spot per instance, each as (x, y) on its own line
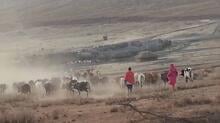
(172, 66)
(129, 69)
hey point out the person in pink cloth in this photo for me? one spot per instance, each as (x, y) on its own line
(172, 75)
(129, 80)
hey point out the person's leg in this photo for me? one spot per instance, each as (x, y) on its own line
(170, 88)
(174, 86)
(131, 88)
(128, 89)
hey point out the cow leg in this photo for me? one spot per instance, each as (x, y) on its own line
(141, 84)
(79, 92)
(187, 79)
(48, 93)
(73, 92)
(87, 92)
(164, 83)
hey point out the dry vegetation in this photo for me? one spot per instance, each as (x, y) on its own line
(20, 108)
(22, 116)
(155, 104)
(193, 101)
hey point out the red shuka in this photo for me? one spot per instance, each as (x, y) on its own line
(129, 77)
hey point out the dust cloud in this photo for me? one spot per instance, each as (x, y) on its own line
(12, 72)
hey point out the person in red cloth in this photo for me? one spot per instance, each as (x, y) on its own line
(172, 75)
(129, 80)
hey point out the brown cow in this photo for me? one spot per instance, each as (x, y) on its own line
(151, 78)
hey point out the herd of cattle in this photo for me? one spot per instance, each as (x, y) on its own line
(47, 86)
(70, 84)
(142, 79)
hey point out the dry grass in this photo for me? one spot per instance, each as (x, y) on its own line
(195, 86)
(217, 99)
(14, 98)
(215, 76)
(209, 70)
(55, 114)
(69, 101)
(187, 101)
(18, 117)
(111, 101)
(114, 109)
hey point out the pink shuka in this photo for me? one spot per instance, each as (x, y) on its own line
(172, 75)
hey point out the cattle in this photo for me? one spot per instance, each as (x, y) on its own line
(52, 85)
(25, 89)
(139, 79)
(79, 86)
(69, 86)
(49, 88)
(164, 77)
(122, 82)
(31, 83)
(151, 78)
(187, 73)
(22, 87)
(39, 88)
(3, 88)
(82, 86)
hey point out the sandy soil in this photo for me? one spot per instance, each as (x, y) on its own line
(199, 98)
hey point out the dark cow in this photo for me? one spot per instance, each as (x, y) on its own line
(163, 77)
(25, 89)
(182, 72)
(82, 86)
(31, 83)
(49, 88)
(3, 88)
(79, 86)
(22, 87)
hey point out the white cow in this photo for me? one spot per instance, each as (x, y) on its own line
(39, 88)
(139, 79)
(122, 82)
(187, 73)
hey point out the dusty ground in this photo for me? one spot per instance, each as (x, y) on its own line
(198, 99)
